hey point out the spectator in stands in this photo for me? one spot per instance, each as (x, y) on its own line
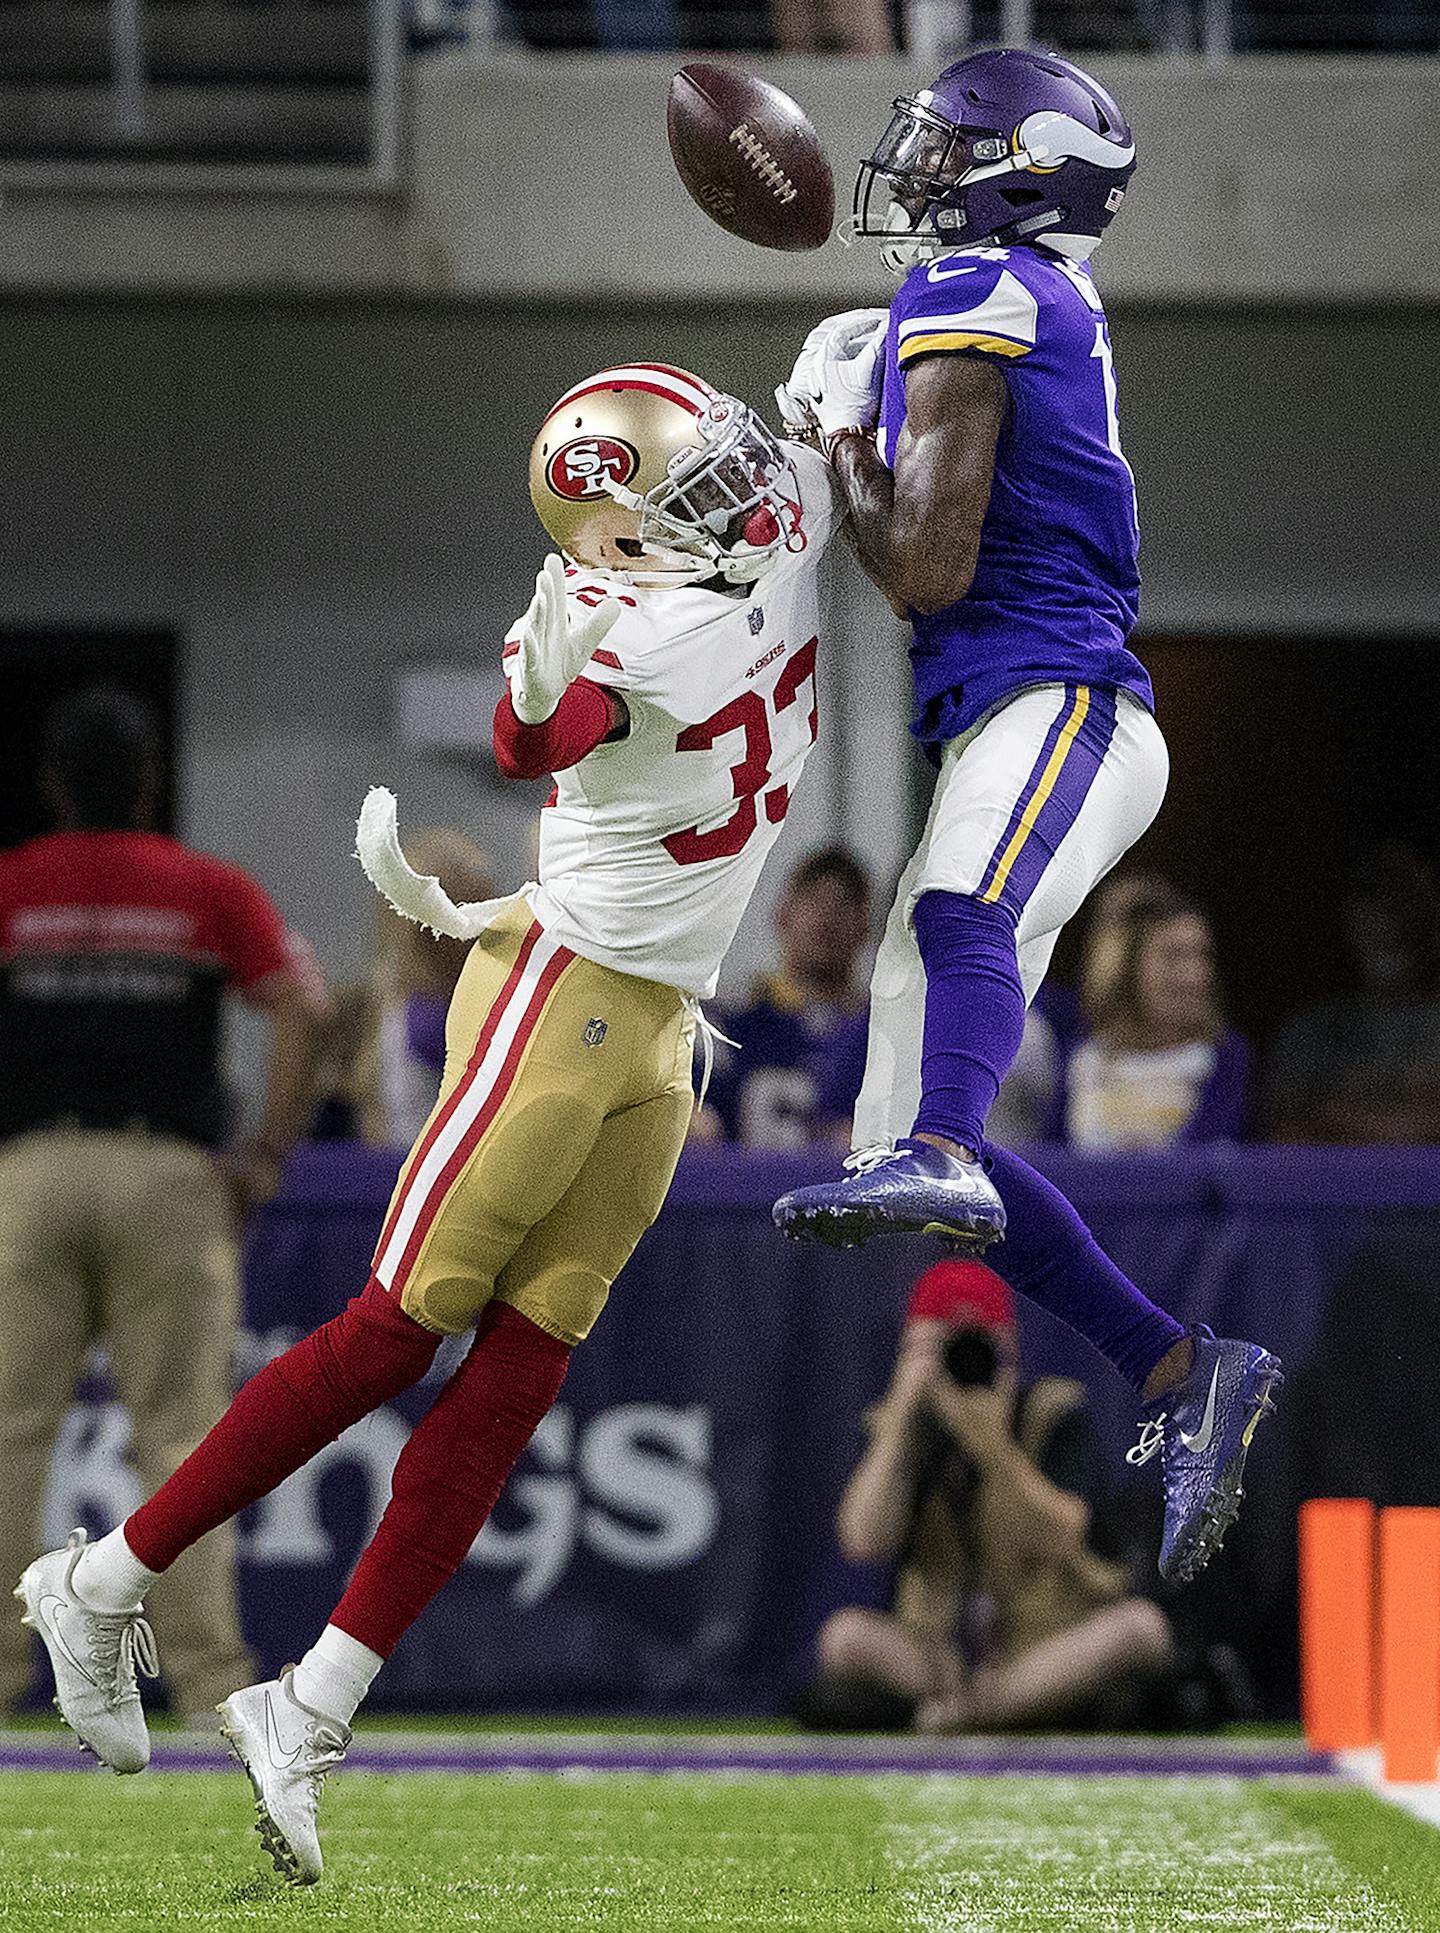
(833, 27)
(730, 26)
(117, 1217)
(1360, 26)
(1157, 1063)
(979, 1487)
(1026, 1107)
(1366, 1066)
(767, 1093)
(383, 1052)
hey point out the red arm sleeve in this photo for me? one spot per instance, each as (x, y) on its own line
(585, 716)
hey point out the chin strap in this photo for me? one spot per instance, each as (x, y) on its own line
(416, 896)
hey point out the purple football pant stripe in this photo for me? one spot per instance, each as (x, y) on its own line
(1083, 760)
(1028, 790)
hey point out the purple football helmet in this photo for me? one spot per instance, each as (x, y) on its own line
(1007, 146)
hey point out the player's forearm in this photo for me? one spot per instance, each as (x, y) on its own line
(585, 717)
(915, 572)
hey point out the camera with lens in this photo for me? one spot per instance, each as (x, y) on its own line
(970, 1358)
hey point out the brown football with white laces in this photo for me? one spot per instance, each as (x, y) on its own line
(750, 158)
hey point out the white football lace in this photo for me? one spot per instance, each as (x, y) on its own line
(325, 1748)
(119, 1646)
(865, 1160)
(1152, 1437)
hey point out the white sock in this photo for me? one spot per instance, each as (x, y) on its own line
(335, 1674)
(110, 1577)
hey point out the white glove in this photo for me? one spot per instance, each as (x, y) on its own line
(556, 643)
(835, 384)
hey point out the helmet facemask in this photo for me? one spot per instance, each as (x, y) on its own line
(916, 184)
(726, 506)
(904, 189)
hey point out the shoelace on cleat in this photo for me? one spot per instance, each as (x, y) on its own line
(1150, 1442)
(865, 1160)
(119, 1647)
(325, 1749)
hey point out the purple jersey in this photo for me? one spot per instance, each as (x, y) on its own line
(1057, 585)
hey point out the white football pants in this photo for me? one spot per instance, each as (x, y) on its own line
(1032, 807)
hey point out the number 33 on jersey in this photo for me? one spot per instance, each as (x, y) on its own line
(651, 845)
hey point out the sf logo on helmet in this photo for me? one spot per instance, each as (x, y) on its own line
(576, 469)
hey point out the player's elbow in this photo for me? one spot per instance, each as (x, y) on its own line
(932, 583)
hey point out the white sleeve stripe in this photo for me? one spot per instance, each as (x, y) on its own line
(1009, 309)
(976, 319)
(974, 324)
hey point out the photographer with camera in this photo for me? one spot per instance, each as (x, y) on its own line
(978, 1487)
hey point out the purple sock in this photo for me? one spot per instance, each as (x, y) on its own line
(974, 1012)
(974, 1016)
(1049, 1255)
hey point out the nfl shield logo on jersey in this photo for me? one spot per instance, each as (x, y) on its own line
(595, 1032)
(756, 621)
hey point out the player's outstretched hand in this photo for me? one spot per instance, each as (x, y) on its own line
(835, 384)
(557, 640)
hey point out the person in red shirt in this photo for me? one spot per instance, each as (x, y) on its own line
(118, 1195)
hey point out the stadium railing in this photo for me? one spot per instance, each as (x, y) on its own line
(934, 31)
(204, 93)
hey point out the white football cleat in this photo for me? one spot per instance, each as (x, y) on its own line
(287, 1750)
(94, 1656)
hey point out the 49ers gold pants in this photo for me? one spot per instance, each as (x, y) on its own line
(564, 1106)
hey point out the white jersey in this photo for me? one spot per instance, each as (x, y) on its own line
(651, 846)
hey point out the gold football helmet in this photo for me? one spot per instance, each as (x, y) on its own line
(647, 472)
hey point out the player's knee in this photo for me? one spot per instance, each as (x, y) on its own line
(371, 1351)
(565, 1301)
(953, 918)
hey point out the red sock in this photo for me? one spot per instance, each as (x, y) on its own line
(450, 1473)
(303, 1400)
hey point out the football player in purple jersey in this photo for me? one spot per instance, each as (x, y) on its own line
(974, 431)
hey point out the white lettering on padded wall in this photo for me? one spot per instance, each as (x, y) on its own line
(632, 1487)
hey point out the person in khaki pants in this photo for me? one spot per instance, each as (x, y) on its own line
(118, 1218)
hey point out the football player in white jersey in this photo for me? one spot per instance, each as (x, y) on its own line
(666, 675)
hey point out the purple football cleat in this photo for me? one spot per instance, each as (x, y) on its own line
(911, 1189)
(1204, 1426)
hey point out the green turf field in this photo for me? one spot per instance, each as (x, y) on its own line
(609, 1852)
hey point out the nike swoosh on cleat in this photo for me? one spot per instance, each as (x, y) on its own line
(1199, 1443)
(273, 1748)
(52, 1625)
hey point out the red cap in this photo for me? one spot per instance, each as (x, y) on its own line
(963, 1295)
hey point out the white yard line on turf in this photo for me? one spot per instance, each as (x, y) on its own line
(1219, 1857)
(1367, 1768)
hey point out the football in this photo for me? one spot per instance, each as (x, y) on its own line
(750, 158)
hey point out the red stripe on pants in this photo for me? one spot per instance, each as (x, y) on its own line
(475, 1133)
(462, 1086)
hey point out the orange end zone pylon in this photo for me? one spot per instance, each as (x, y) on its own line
(1337, 1623)
(1410, 1643)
